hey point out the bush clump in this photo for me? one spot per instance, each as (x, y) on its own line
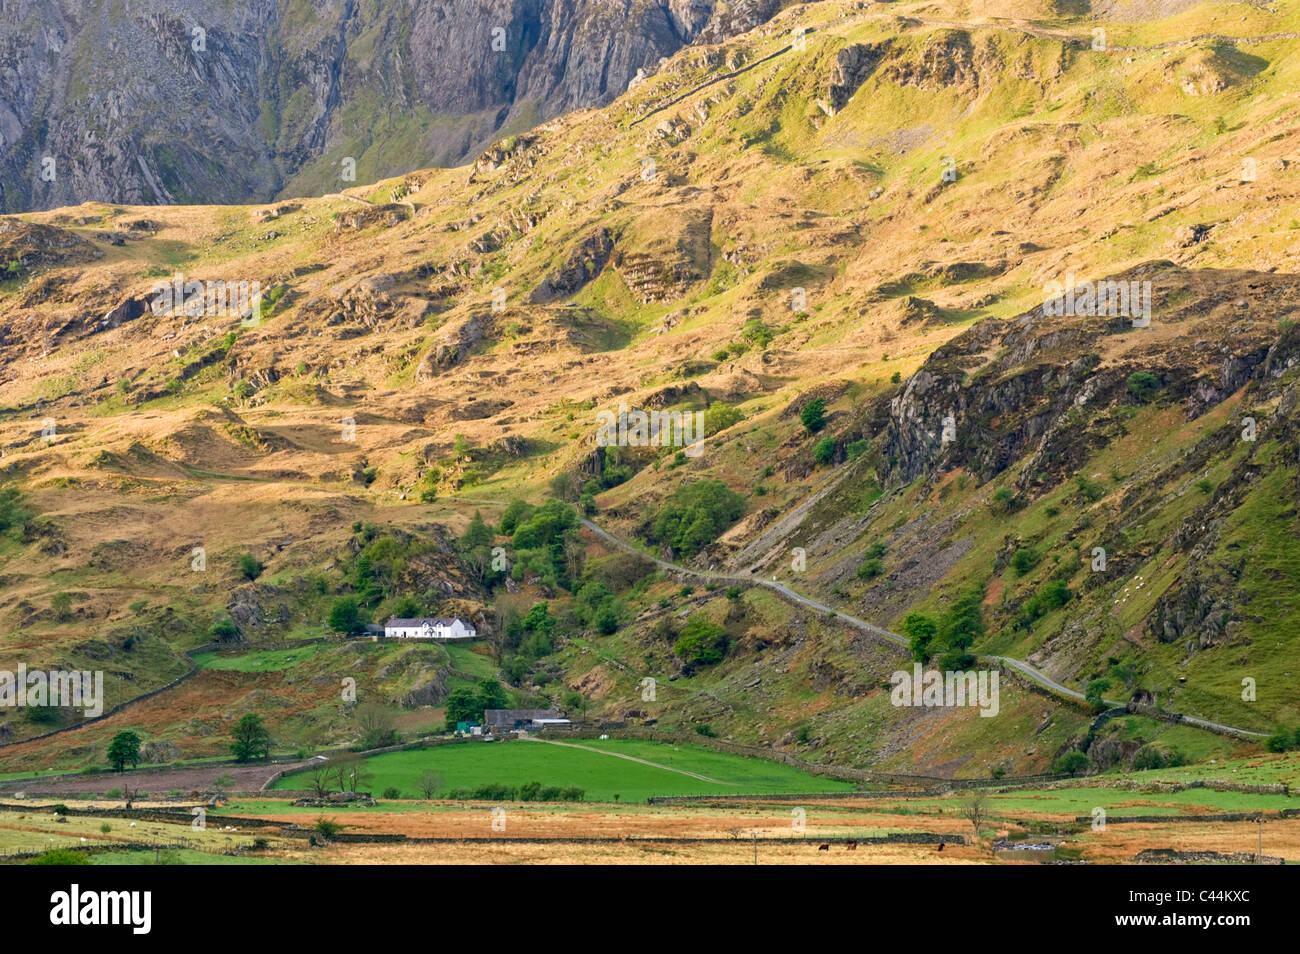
(696, 515)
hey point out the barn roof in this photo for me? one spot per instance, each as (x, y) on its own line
(511, 716)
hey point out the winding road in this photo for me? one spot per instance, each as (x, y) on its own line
(1034, 675)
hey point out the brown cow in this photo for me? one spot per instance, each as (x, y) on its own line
(852, 845)
(823, 847)
(941, 846)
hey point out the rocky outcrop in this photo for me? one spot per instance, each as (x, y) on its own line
(422, 676)
(946, 59)
(128, 309)
(256, 604)
(583, 264)
(1200, 610)
(853, 65)
(666, 255)
(1038, 387)
(159, 753)
(453, 346)
(35, 246)
(388, 215)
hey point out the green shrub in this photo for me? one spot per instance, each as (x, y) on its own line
(1073, 762)
(1004, 501)
(1283, 740)
(1094, 695)
(813, 415)
(824, 450)
(696, 514)
(223, 629)
(1024, 560)
(920, 631)
(60, 856)
(871, 568)
(721, 416)
(1143, 385)
(249, 566)
(326, 827)
(12, 514)
(1089, 490)
(757, 333)
(702, 642)
(1053, 595)
(344, 615)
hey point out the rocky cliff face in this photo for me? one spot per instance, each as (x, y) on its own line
(174, 101)
(1046, 388)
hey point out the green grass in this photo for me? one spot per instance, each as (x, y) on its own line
(268, 660)
(468, 661)
(39, 773)
(185, 856)
(603, 777)
(1262, 770)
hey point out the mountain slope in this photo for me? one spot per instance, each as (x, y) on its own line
(873, 216)
(212, 102)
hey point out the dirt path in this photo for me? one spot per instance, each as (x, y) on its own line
(630, 758)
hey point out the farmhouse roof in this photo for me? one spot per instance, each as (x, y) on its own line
(432, 621)
(511, 716)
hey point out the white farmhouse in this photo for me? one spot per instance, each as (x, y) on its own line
(429, 628)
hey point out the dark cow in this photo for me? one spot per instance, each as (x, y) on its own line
(823, 847)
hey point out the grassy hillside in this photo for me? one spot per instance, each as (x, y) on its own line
(869, 216)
